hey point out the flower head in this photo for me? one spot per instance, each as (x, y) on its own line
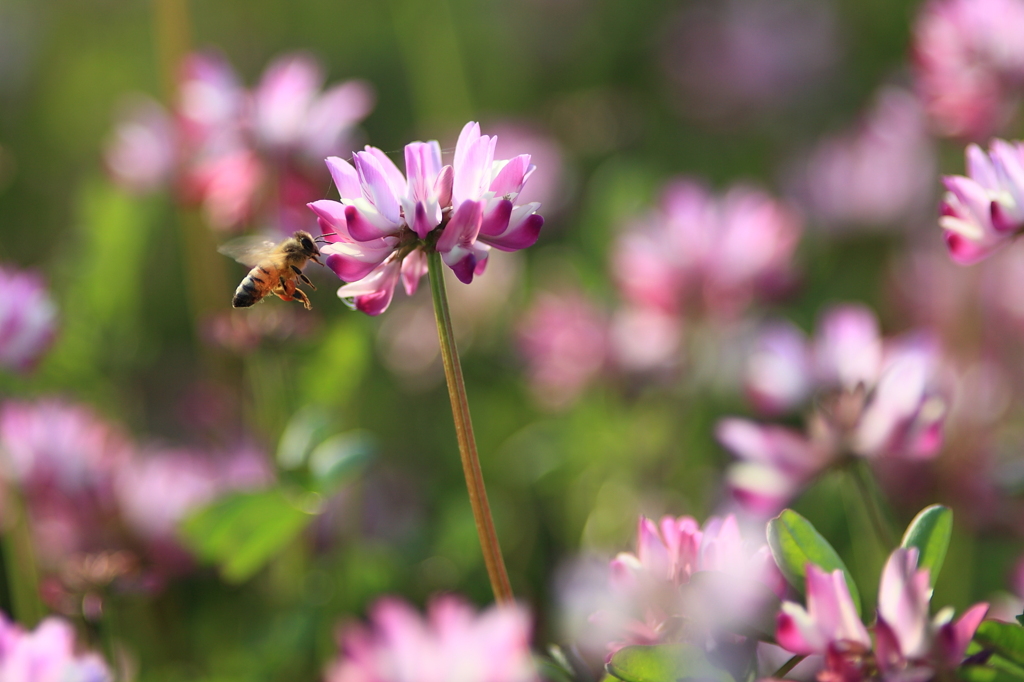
(385, 220)
(705, 251)
(28, 319)
(46, 654)
(983, 212)
(453, 644)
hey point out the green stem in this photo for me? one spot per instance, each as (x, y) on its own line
(787, 666)
(20, 563)
(864, 481)
(464, 433)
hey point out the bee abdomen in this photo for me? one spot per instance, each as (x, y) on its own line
(247, 293)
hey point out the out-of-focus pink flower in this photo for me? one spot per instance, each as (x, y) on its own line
(385, 219)
(54, 443)
(453, 644)
(880, 173)
(289, 112)
(985, 211)
(668, 555)
(157, 490)
(28, 319)
(776, 463)
(63, 457)
(46, 654)
(221, 145)
(876, 398)
(735, 59)
(143, 149)
(968, 59)
(714, 252)
(563, 339)
(830, 622)
(645, 339)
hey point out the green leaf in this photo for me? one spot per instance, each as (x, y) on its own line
(664, 663)
(339, 457)
(242, 532)
(1004, 639)
(795, 542)
(983, 673)
(305, 429)
(930, 532)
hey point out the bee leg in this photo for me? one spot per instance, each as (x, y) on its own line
(303, 277)
(300, 295)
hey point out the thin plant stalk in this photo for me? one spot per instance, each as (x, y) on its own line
(493, 559)
(787, 666)
(865, 483)
(20, 564)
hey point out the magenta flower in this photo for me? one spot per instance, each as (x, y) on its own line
(289, 111)
(985, 211)
(909, 645)
(385, 219)
(647, 583)
(28, 319)
(879, 173)
(156, 490)
(906, 636)
(876, 398)
(563, 339)
(706, 252)
(453, 644)
(46, 654)
(221, 147)
(830, 622)
(968, 60)
(64, 458)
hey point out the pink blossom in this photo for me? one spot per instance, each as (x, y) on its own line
(452, 644)
(669, 553)
(63, 457)
(908, 643)
(876, 398)
(563, 338)
(46, 654)
(156, 490)
(705, 251)
(385, 219)
(830, 621)
(221, 146)
(289, 112)
(142, 152)
(906, 636)
(985, 211)
(879, 173)
(968, 58)
(28, 319)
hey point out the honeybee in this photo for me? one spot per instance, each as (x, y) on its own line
(275, 267)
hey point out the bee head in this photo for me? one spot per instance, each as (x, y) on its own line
(305, 240)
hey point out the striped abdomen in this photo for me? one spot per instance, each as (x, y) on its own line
(254, 287)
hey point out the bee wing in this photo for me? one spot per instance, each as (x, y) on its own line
(247, 250)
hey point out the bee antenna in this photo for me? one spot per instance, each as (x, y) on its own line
(324, 236)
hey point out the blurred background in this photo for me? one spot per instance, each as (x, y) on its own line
(208, 493)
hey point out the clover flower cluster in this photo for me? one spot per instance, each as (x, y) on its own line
(909, 643)
(84, 480)
(379, 230)
(28, 319)
(47, 653)
(875, 398)
(242, 155)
